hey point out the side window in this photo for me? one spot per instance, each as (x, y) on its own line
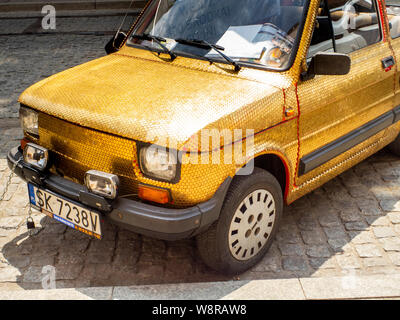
(354, 24)
(393, 13)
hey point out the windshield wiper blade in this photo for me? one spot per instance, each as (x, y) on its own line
(206, 45)
(158, 40)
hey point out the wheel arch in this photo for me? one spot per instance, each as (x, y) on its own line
(277, 165)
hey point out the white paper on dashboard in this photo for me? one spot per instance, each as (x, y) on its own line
(238, 42)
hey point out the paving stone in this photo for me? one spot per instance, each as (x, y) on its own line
(101, 246)
(384, 196)
(34, 274)
(11, 222)
(380, 221)
(289, 249)
(390, 204)
(329, 220)
(44, 250)
(351, 215)
(9, 274)
(395, 258)
(179, 252)
(55, 228)
(348, 262)
(76, 246)
(154, 245)
(337, 245)
(271, 261)
(126, 256)
(179, 268)
(295, 264)
(285, 236)
(71, 234)
(383, 232)
(96, 271)
(374, 262)
(128, 235)
(149, 271)
(99, 257)
(50, 240)
(69, 258)
(307, 223)
(6, 233)
(356, 226)
(391, 244)
(335, 233)
(318, 251)
(394, 217)
(323, 263)
(361, 237)
(68, 272)
(20, 261)
(343, 202)
(313, 237)
(369, 207)
(41, 261)
(368, 250)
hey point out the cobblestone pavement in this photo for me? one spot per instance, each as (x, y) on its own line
(28, 58)
(19, 68)
(351, 225)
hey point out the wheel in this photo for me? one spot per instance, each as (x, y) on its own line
(394, 147)
(247, 224)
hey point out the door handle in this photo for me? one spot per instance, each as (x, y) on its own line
(388, 63)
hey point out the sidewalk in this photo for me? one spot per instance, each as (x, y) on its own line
(357, 287)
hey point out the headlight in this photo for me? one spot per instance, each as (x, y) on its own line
(158, 163)
(29, 120)
(102, 183)
(36, 156)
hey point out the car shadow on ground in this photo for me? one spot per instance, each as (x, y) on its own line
(340, 228)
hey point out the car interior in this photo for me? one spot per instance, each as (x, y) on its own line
(355, 25)
(393, 12)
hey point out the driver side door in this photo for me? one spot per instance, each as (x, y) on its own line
(343, 116)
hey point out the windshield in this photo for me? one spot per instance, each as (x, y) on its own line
(259, 32)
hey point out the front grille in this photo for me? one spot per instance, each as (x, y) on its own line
(75, 150)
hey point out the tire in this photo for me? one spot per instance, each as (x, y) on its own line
(219, 246)
(394, 147)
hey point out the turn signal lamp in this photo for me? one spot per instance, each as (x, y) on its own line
(154, 194)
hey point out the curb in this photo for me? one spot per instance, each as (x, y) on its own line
(330, 288)
(72, 5)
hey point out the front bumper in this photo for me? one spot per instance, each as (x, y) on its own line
(140, 217)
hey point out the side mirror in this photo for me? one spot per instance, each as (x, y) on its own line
(115, 42)
(327, 63)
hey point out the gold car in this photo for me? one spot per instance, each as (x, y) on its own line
(208, 115)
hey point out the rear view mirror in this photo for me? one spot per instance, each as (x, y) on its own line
(328, 63)
(115, 43)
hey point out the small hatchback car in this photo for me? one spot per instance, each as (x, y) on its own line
(208, 115)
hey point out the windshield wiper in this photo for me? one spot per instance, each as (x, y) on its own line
(206, 45)
(156, 39)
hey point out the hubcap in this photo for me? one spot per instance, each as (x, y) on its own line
(252, 224)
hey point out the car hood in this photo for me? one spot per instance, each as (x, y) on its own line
(137, 95)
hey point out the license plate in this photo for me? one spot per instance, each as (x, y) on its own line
(64, 211)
